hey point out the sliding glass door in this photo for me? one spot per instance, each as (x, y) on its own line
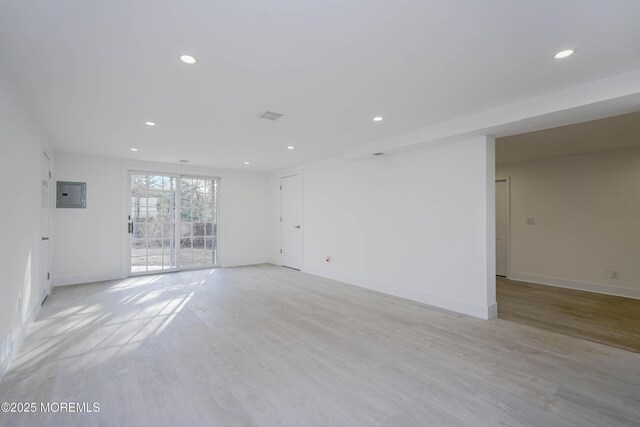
(163, 240)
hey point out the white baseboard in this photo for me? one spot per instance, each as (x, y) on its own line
(87, 278)
(572, 284)
(248, 261)
(492, 311)
(464, 307)
(11, 344)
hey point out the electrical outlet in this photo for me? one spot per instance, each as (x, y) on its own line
(615, 274)
(531, 221)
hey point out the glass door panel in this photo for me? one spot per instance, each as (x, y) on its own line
(198, 222)
(152, 222)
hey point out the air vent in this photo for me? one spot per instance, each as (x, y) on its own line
(270, 115)
(378, 154)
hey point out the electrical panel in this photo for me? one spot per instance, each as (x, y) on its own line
(71, 194)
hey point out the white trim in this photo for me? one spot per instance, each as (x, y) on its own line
(47, 283)
(489, 234)
(573, 284)
(239, 262)
(88, 278)
(464, 307)
(50, 154)
(508, 248)
(218, 204)
(125, 239)
(492, 311)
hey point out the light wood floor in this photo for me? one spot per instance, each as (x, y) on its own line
(271, 346)
(595, 317)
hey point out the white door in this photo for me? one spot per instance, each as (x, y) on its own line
(291, 219)
(502, 218)
(45, 214)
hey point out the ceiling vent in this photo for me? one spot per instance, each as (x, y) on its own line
(270, 115)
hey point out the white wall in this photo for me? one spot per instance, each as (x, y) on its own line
(412, 225)
(87, 242)
(244, 221)
(21, 290)
(587, 221)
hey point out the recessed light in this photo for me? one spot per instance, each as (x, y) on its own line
(564, 54)
(291, 147)
(150, 123)
(188, 59)
(133, 149)
(247, 163)
(377, 119)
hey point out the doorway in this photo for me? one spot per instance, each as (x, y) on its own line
(173, 222)
(291, 221)
(502, 227)
(45, 215)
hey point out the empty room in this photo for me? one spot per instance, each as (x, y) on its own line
(566, 229)
(296, 213)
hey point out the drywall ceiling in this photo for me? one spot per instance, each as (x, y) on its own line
(92, 72)
(613, 133)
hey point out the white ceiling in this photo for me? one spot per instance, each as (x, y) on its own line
(93, 72)
(613, 133)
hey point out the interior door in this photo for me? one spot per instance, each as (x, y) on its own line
(502, 217)
(45, 215)
(152, 222)
(291, 221)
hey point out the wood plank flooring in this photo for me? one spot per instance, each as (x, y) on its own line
(605, 319)
(271, 346)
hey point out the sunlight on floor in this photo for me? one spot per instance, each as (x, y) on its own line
(84, 333)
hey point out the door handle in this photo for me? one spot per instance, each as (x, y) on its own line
(45, 238)
(130, 230)
(297, 226)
